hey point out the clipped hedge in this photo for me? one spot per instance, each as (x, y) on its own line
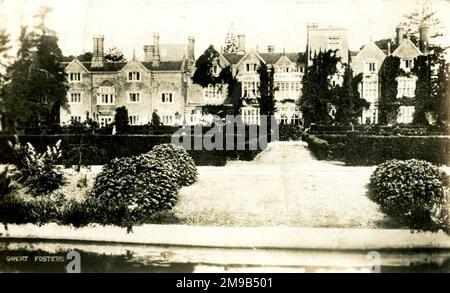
(100, 149)
(319, 147)
(185, 166)
(414, 193)
(363, 150)
(289, 132)
(132, 188)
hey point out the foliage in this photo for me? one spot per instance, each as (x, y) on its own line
(177, 156)
(5, 183)
(319, 147)
(317, 93)
(231, 42)
(156, 120)
(129, 189)
(266, 99)
(37, 86)
(413, 193)
(367, 150)
(204, 76)
(347, 99)
(388, 102)
(289, 132)
(431, 94)
(121, 120)
(423, 13)
(386, 44)
(115, 55)
(38, 171)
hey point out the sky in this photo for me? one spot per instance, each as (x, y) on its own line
(129, 24)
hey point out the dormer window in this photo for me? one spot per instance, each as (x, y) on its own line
(75, 76)
(371, 67)
(408, 63)
(134, 76)
(215, 70)
(251, 67)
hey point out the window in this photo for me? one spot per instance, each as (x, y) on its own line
(75, 118)
(166, 119)
(212, 93)
(250, 89)
(334, 43)
(134, 119)
(106, 95)
(215, 70)
(251, 67)
(283, 119)
(406, 87)
(166, 98)
(134, 76)
(75, 77)
(370, 91)
(250, 115)
(370, 66)
(75, 98)
(105, 120)
(134, 97)
(408, 63)
(302, 69)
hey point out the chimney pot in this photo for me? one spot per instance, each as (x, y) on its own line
(156, 57)
(241, 44)
(98, 56)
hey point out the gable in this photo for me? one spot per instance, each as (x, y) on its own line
(134, 65)
(251, 57)
(76, 66)
(407, 50)
(284, 60)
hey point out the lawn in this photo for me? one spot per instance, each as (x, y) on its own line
(284, 187)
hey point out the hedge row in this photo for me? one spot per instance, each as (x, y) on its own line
(100, 149)
(368, 150)
(407, 130)
(374, 150)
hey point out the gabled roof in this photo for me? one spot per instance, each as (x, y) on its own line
(107, 66)
(407, 50)
(272, 58)
(117, 66)
(371, 48)
(165, 66)
(75, 60)
(233, 58)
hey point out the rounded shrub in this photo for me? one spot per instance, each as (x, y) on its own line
(178, 157)
(414, 193)
(129, 189)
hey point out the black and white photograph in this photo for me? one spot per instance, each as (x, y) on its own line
(224, 136)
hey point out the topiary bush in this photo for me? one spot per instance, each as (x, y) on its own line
(414, 193)
(289, 132)
(319, 147)
(178, 157)
(132, 188)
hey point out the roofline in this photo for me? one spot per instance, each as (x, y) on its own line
(407, 40)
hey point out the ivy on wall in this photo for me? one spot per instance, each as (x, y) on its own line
(389, 104)
(204, 77)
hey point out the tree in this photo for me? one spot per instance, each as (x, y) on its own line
(156, 120)
(121, 120)
(266, 98)
(431, 94)
(114, 54)
(231, 41)
(37, 84)
(317, 91)
(204, 76)
(389, 104)
(423, 13)
(347, 101)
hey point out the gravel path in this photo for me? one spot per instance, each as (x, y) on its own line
(283, 186)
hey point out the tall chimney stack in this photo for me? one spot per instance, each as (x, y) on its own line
(400, 30)
(241, 44)
(424, 32)
(148, 53)
(191, 47)
(98, 57)
(156, 57)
